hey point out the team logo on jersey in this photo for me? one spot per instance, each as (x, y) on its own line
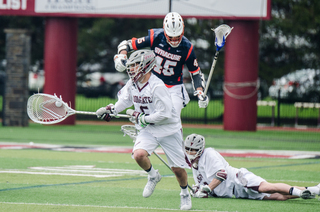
(168, 55)
(199, 178)
(142, 99)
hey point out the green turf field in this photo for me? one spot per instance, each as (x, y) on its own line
(45, 180)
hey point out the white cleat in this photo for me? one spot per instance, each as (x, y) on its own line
(306, 194)
(185, 202)
(151, 184)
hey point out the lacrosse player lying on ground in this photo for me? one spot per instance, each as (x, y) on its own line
(156, 119)
(173, 50)
(214, 177)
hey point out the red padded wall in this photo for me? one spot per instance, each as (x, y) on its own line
(241, 65)
(60, 60)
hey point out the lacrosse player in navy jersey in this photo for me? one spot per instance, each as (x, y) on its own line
(214, 177)
(173, 51)
(156, 119)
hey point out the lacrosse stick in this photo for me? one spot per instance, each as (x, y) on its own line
(132, 132)
(221, 33)
(49, 109)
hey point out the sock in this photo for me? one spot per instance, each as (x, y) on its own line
(151, 172)
(295, 192)
(184, 190)
(314, 189)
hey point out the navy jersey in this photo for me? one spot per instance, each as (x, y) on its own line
(170, 61)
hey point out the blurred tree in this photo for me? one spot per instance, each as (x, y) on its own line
(36, 27)
(98, 38)
(291, 39)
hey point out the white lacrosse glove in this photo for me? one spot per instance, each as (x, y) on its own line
(124, 45)
(104, 112)
(137, 118)
(120, 61)
(194, 190)
(199, 192)
(203, 100)
(206, 188)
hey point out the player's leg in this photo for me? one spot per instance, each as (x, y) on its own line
(280, 197)
(141, 156)
(180, 97)
(182, 178)
(173, 147)
(177, 104)
(285, 189)
(145, 144)
(257, 184)
(181, 175)
(282, 188)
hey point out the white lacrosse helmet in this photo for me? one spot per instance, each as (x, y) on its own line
(194, 142)
(173, 28)
(140, 63)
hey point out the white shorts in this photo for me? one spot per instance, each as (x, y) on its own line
(179, 96)
(246, 185)
(172, 146)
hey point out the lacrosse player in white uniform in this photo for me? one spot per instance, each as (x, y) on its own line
(156, 119)
(214, 177)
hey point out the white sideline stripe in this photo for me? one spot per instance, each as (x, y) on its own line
(67, 169)
(294, 181)
(62, 174)
(77, 170)
(98, 206)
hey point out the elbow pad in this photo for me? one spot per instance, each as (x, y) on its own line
(125, 45)
(221, 175)
(198, 80)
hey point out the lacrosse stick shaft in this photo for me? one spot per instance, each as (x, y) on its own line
(165, 163)
(160, 158)
(211, 72)
(94, 113)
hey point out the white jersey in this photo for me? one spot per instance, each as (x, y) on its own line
(240, 182)
(153, 99)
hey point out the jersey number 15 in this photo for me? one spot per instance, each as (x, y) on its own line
(167, 68)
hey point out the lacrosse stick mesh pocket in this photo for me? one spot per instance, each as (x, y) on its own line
(130, 130)
(46, 109)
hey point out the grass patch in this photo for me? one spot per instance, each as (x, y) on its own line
(36, 192)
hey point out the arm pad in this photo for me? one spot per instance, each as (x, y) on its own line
(221, 175)
(198, 80)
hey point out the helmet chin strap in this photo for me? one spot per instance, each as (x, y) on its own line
(142, 79)
(195, 162)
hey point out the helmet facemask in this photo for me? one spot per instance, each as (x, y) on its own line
(173, 26)
(174, 41)
(194, 146)
(140, 63)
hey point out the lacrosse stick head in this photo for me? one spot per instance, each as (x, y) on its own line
(130, 130)
(221, 33)
(47, 109)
